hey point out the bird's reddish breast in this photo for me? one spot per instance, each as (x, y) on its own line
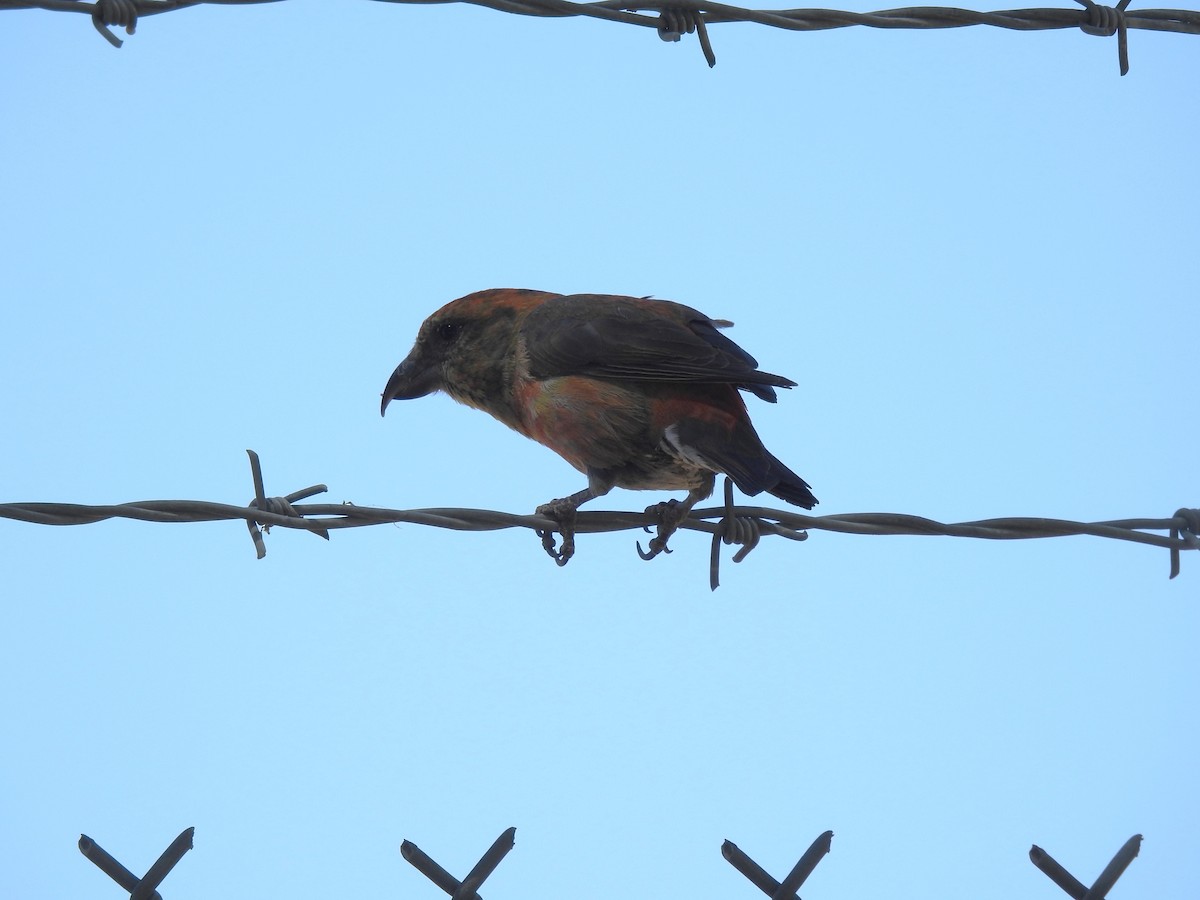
(591, 423)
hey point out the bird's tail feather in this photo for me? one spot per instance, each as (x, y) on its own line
(789, 486)
(741, 456)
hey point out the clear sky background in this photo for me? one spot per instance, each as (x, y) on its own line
(975, 250)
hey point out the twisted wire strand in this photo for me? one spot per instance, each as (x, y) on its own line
(673, 18)
(728, 524)
(317, 517)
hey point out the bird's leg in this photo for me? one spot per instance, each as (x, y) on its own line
(670, 513)
(562, 511)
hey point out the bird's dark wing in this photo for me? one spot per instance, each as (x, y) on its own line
(647, 340)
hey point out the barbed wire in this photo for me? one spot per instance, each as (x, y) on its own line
(674, 18)
(743, 526)
(145, 888)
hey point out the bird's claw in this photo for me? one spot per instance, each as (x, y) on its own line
(560, 556)
(564, 515)
(669, 518)
(657, 546)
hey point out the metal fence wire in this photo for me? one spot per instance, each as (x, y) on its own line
(146, 887)
(671, 19)
(744, 526)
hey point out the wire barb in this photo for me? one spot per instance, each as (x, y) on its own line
(761, 879)
(279, 506)
(123, 13)
(146, 887)
(1072, 885)
(1105, 21)
(468, 888)
(675, 21)
(1188, 533)
(745, 531)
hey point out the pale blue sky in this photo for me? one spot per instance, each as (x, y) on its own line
(975, 250)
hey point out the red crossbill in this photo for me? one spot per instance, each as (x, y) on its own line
(634, 393)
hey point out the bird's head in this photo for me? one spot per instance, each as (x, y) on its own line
(467, 349)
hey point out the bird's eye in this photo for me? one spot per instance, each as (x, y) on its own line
(448, 331)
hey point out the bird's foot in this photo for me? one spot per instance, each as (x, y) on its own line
(670, 513)
(562, 511)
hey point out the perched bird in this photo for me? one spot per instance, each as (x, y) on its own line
(634, 393)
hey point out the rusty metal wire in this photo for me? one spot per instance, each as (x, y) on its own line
(672, 18)
(741, 525)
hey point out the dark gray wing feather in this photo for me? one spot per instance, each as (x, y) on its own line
(638, 339)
